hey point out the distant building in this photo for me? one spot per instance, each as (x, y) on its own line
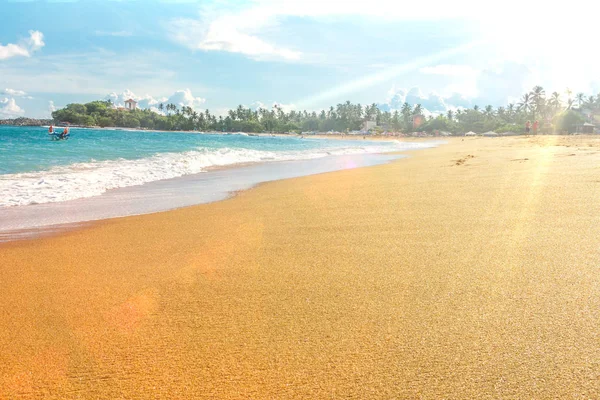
(585, 128)
(130, 104)
(368, 125)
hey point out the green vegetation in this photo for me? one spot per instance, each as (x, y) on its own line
(554, 117)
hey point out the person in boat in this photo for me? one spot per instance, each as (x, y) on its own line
(64, 133)
(51, 130)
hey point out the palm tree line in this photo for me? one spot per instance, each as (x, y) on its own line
(552, 112)
(533, 105)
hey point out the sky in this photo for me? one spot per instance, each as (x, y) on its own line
(308, 54)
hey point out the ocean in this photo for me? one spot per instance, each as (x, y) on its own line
(40, 177)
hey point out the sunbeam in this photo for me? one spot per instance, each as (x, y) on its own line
(383, 75)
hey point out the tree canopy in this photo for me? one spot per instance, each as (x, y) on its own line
(553, 114)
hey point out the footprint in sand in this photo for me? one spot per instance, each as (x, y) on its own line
(461, 161)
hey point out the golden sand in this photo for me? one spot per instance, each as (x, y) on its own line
(467, 271)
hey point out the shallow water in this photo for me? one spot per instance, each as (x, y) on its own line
(35, 170)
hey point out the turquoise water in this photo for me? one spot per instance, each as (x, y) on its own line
(25, 149)
(34, 169)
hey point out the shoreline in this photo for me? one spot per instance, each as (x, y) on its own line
(163, 162)
(214, 183)
(318, 135)
(465, 271)
(225, 188)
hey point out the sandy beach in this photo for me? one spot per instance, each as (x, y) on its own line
(465, 271)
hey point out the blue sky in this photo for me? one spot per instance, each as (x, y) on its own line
(301, 54)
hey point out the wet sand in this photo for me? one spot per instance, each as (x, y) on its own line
(466, 271)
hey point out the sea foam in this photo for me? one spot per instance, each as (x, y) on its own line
(79, 180)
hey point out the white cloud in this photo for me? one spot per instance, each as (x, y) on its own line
(220, 111)
(257, 105)
(36, 40)
(237, 27)
(185, 97)
(285, 107)
(180, 98)
(259, 28)
(13, 92)
(497, 85)
(229, 33)
(156, 110)
(147, 101)
(12, 50)
(432, 102)
(25, 48)
(51, 107)
(9, 108)
(457, 100)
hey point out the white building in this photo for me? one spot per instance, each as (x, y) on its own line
(368, 125)
(130, 105)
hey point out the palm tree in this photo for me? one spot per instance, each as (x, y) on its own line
(396, 120)
(161, 107)
(569, 93)
(239, 112)
(537, 92)
(510, 112)
(406, 112)
(501, 112)
(525, 104)
(418, 110)
(590, 103)
(555, 102)
(488, 112)
(450, 115)
(538, 98)
(580, 99)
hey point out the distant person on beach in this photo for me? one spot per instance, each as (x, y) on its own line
(527, 127)
(536, 125)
